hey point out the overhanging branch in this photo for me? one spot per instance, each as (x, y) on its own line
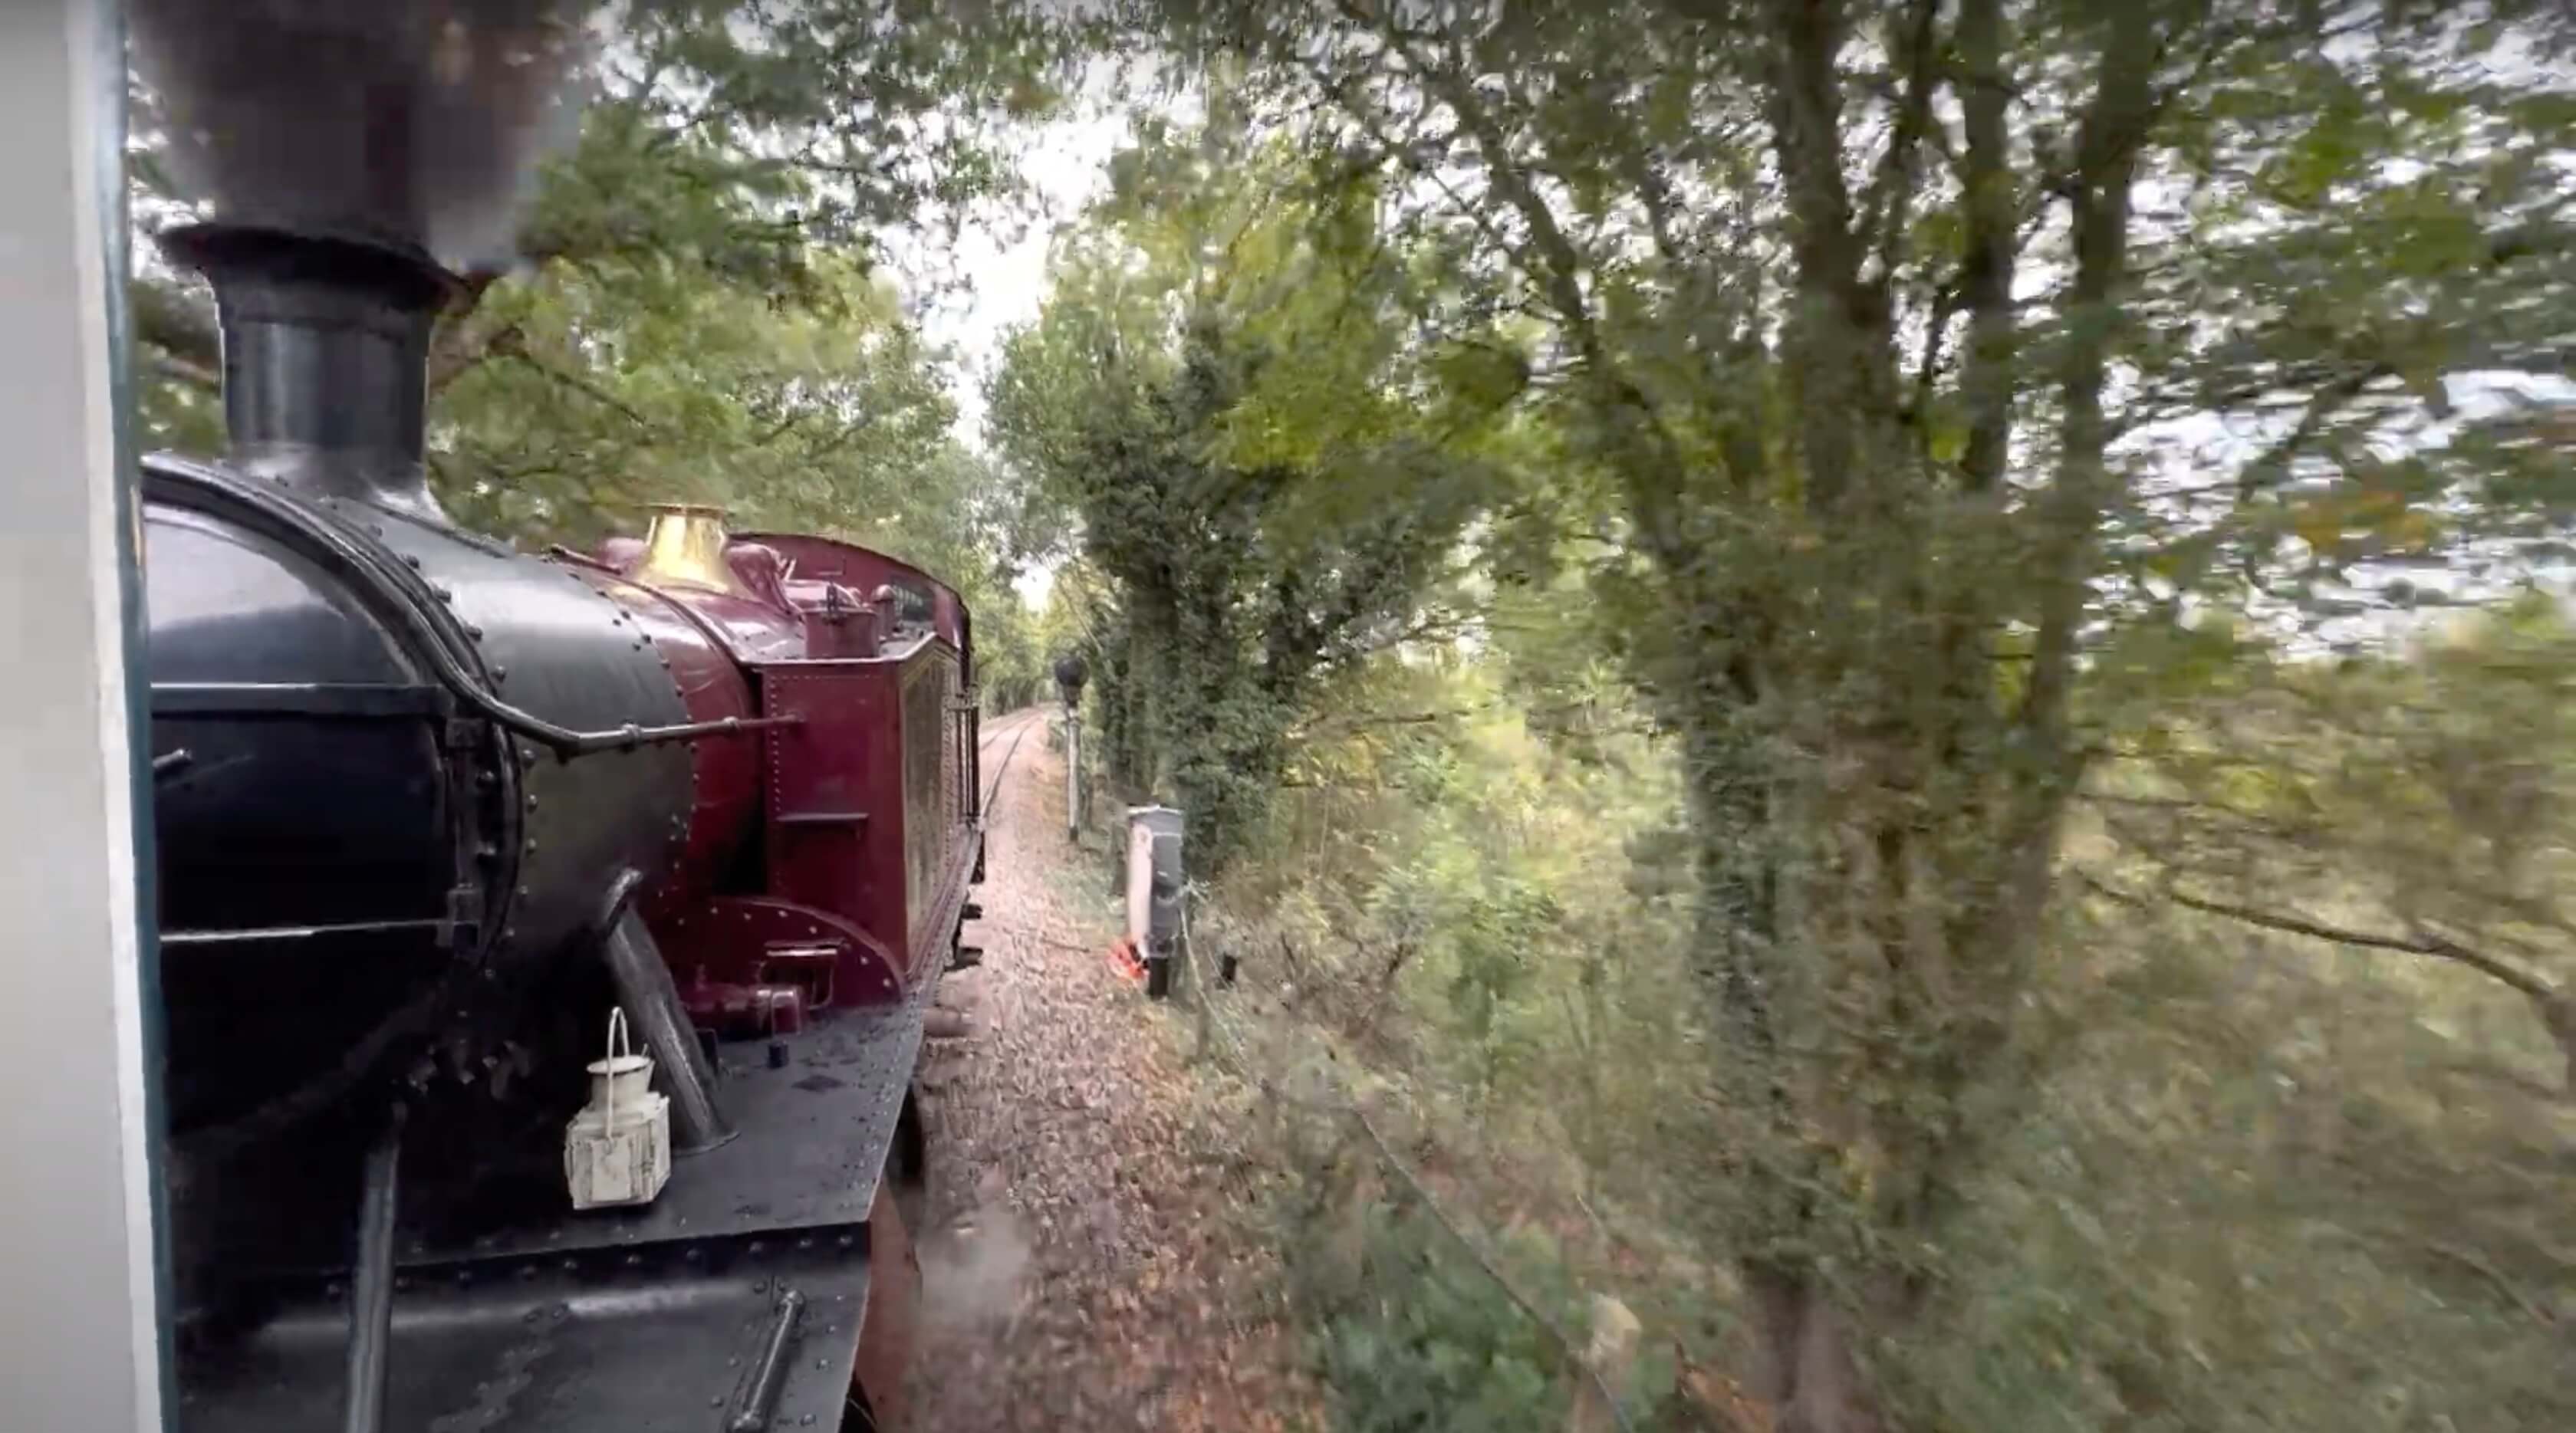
(508, 344)
(2415, 943)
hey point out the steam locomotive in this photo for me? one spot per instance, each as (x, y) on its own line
(428, 808)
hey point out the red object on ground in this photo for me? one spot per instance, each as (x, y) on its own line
(1124, 960)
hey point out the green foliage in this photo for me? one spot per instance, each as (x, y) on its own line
(696, 321)
(1883, 357)
(599, 391)
(2405, 806)
(1014, 669)
(1930, 413)
(603, 390)
(2266, 1184)
(2253, 1180)
(1448, 897)
(1207, 404)
(1437, 1345)
(827, 120)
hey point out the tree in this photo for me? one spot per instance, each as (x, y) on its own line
(1213, 398)
(692, 315)
(734, 143)
(1878, 332)
(605, 389)
(2403, 808)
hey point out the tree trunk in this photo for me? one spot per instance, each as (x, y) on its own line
(2559, 1014)
(2106, 164)
(1731, 811)
(1810, 1375)
(1877, 849)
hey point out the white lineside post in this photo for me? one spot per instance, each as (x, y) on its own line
(83, 1342)
(1611, 1356)
(1155, 890)
(1072, 770)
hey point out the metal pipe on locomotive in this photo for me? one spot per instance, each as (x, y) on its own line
(426, 808)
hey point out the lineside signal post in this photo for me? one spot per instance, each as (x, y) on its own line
(1155, 890)
(1070, 674)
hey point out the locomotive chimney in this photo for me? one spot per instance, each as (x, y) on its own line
(345, 152)
(326, 347)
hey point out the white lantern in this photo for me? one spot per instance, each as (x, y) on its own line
(618, 1149)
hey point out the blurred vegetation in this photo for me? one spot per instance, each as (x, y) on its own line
(1906, 814)
(2254, 1179)
(1244, 477)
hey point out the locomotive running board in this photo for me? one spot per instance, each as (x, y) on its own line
(658, 1339)
(608, 1322)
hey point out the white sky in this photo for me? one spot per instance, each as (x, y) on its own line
(969, 296)
(994, 278)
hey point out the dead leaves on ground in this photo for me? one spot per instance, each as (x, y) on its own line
(1086, 1266)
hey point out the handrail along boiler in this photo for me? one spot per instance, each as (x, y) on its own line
(426, 807)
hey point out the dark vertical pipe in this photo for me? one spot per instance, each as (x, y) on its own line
(371, 1283)
(326, 349)
(652, 1001)
(1167, 890)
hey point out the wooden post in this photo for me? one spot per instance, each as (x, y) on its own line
(1612, 1355)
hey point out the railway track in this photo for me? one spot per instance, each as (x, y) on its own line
(1016, 728)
